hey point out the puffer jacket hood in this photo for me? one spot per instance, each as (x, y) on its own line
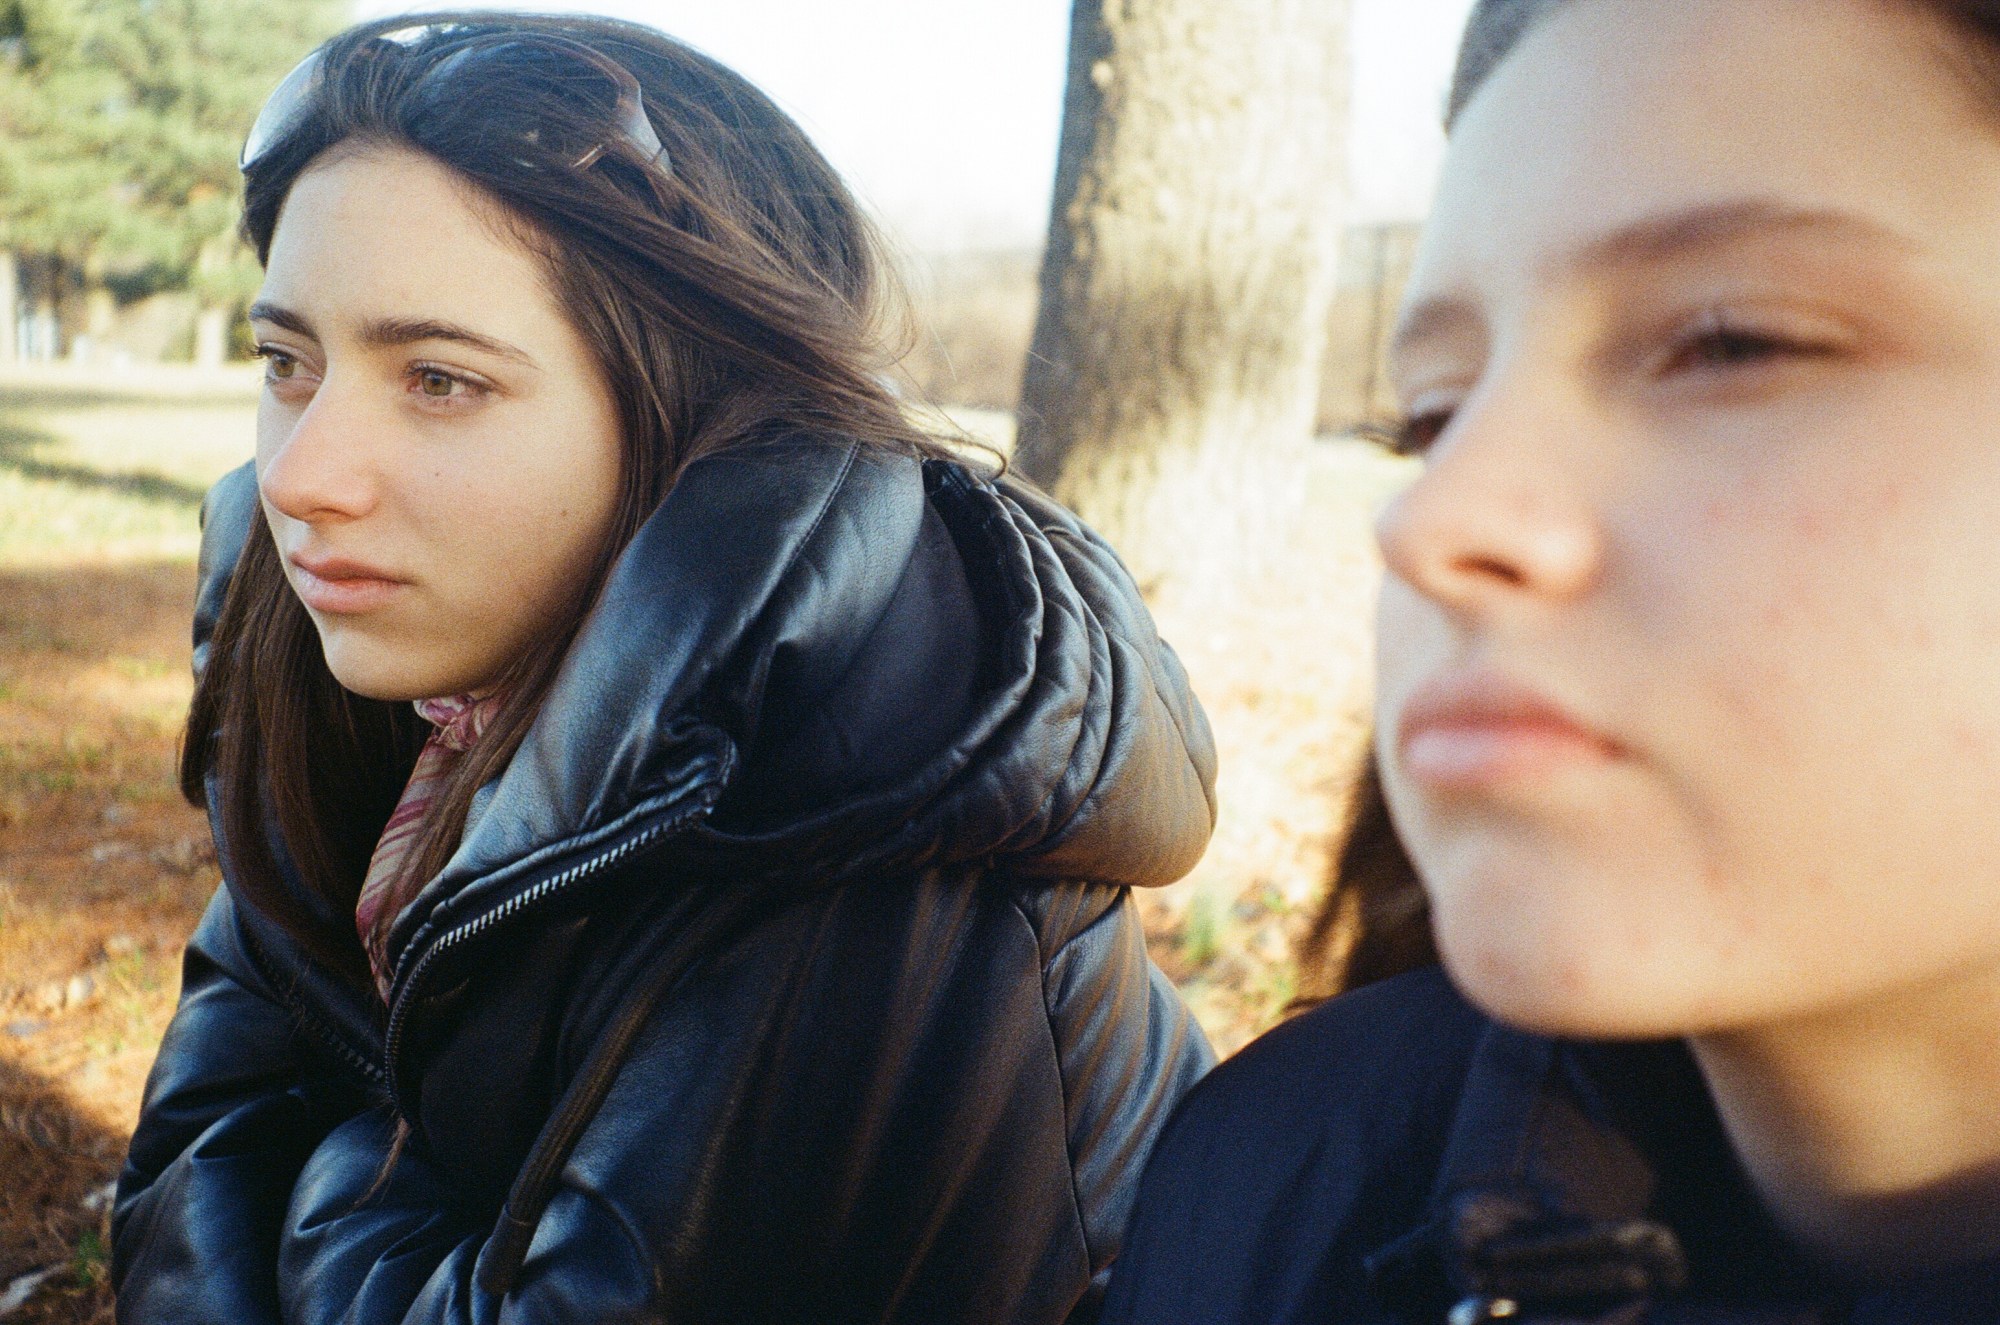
(1081, 755)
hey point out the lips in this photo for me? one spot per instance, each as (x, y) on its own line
(1472, 730)
(341, 586)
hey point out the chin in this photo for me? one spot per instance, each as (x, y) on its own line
(1571, 973)
(1598, 930)
(1560, 1002)
(373, 671)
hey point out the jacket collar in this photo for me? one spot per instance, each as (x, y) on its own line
(1593, 1183)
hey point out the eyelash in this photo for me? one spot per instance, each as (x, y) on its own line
(1715, 345)
(414, 375)
(471, 389)
(1406, 435)
(1718, 343)
(270, 354)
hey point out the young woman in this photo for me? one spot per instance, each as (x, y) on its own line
(675, 820)
(1687, 720)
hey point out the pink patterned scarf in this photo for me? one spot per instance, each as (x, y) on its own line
(460, 720)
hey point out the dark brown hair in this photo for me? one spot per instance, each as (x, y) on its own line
(737, 292)
(1374, 921)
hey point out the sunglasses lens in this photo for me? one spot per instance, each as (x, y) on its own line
(528, 89)
(632, 118)
(280, 110)
(501, 83)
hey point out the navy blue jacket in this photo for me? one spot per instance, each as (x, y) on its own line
(1396, 1158)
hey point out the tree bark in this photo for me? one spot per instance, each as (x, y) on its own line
(60, 320)
(211, 336)
(100, 314)
(1175, 368)
(10, 307)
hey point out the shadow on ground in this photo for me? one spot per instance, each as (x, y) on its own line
(79, 395)
(53, 1213)
(103, 871)
(17, 447)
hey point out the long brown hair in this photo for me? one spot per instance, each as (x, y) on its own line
(735, 292)
(1374, 921)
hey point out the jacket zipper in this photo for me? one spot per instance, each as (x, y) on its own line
(555, 883)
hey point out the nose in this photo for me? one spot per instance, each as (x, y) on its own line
(311, 465)
(1503, 512)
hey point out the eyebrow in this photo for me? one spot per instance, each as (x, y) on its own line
(1657, 240)
(1432, 319)
(391, 331)
(1697, 230)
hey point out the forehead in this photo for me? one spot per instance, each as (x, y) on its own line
(1614, 112)
(392, 232)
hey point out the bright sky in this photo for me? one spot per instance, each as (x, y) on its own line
(945, 113)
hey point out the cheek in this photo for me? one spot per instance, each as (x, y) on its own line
(1831, 718)
(537, 514)
(1810, 662)
(1850, 617)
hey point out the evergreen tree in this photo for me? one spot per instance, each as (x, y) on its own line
(120, 124)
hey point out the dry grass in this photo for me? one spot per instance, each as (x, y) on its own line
(53, 1211)
(102, 874)
(1284, 670)
(103, 870)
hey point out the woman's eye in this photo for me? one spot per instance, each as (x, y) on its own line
(1408, 435)
(1719, 345)
(278, 366)
(443, 386)
(1723, 349)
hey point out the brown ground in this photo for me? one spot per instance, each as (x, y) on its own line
(103, 871)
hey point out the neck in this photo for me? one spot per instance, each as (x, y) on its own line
(1873, 1132)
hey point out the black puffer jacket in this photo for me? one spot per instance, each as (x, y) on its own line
(1396, 1158)
(927, 721)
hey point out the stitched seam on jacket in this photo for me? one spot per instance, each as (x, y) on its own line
(1180, 729)
(615, 1214)
(1043, 810)
(819, 518)
(293, 1003)
(1062, 1080)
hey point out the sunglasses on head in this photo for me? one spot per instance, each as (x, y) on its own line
(464, 61)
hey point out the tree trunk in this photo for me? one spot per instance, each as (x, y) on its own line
(10, 307)
(100, 315)
(60, 338)
(1175, 369)
(211, 336)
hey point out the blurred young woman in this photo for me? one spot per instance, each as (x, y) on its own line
(675, 820)
(1688, 714)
